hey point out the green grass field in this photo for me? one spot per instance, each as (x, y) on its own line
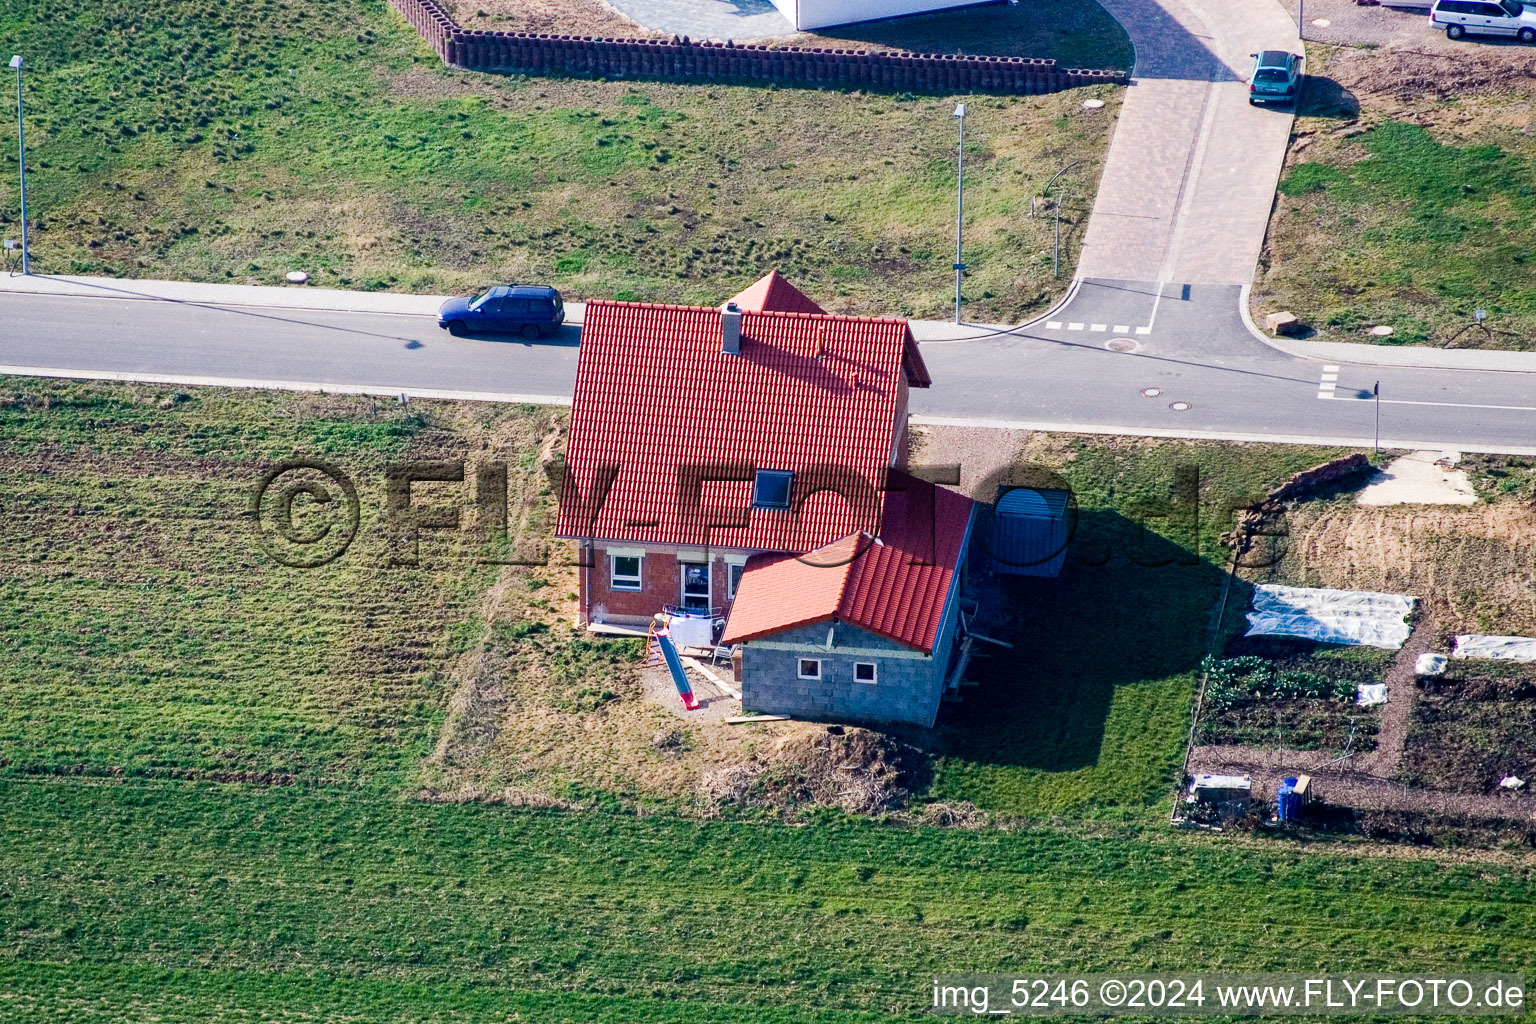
(227, 903)
(1414, 217)
(147, 633)
(207, 761)
(217, 142)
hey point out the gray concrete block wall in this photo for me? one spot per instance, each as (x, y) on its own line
(907, 689)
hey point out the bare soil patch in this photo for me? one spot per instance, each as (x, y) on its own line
(1477, 565)
(1406, 75)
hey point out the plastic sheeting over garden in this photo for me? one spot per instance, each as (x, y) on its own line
(1498, 648)
(1360, 617)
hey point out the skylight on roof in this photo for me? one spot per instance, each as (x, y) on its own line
(771, 488)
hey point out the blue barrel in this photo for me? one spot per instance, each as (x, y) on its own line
(1288, 801)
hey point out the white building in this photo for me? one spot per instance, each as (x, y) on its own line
(809, 14)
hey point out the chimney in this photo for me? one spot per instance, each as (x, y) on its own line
(730, 329)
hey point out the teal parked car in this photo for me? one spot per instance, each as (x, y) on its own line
(1276, 77)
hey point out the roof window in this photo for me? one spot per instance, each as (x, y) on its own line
(771, 488)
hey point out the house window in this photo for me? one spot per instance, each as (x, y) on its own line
(733, 572)
(771, 489)
(626, 572)
(696, 586)
(810, 668)
(864, 672)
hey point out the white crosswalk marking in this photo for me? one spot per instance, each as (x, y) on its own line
(1074, 327)
(1098, 327)
(1053, 325)
(1143, 330)
(1328, 382)
(1122, 329)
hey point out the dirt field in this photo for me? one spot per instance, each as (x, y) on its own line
(561, 17)
(1475, 567)
(1474, 727)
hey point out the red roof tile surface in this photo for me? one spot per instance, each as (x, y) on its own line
(772, 294)
(895, 587)
(654, 392)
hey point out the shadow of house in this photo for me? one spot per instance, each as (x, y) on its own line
(1131, 607)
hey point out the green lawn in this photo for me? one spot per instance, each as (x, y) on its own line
(1414, 217)
(236, 142)
(227, 903)
(148, 633)
(1087, 714)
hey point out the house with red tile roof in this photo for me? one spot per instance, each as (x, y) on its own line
(737, 454)
(865, 627)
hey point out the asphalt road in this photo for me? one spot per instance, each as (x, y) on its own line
(1211, 376)
(1185, 364)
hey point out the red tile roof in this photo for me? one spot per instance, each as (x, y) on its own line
(895, 587)
(654, 392)
(772, 294)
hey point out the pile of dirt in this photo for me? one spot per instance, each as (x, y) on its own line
(856, 770)
(1412, 74)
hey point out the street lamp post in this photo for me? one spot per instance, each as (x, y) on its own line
(959, 205)
(21, 152)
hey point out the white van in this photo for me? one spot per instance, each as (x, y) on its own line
(1484, 17)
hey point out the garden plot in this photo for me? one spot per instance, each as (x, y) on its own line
(1474, 727)
(1453, 739)
(1292, 694)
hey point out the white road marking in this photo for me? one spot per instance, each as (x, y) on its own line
(1074, 327)
(1122, 329)
(1143, 330)
(1328, 383)
(1447, 405)
(1098, 327)
(1053, 325)
(1155, 303)
(1330, 369)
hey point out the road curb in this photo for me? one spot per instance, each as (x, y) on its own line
(1362, 441)
(1404, 357)
(377, 390)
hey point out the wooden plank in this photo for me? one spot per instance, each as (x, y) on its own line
(698, 665)
(609, 629)
(749, 719)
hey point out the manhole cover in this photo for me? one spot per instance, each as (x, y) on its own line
(1092, 104)
(1321, 22)
(1179, 406)
(1121, 345)
(1151, 392)
(1382, 331)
